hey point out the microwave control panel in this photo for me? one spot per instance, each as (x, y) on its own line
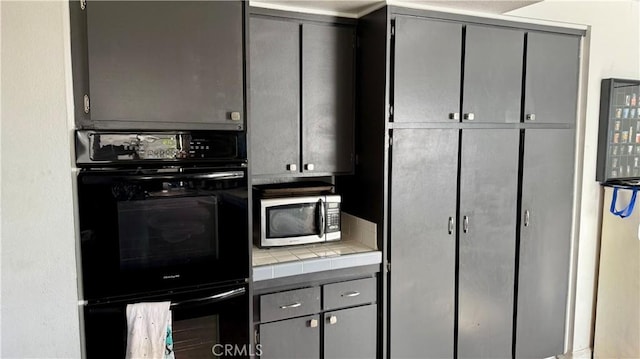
(333, 217)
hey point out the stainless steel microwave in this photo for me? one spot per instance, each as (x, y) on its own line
(297, 220)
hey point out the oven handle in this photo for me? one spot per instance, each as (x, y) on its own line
(211, 299)
(211, 176)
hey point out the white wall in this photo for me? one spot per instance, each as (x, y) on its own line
(613, 51)
(39, 293)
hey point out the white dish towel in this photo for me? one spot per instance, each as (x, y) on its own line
(149, 331)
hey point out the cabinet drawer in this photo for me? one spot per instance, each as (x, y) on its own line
(289, 304)
(345, 294)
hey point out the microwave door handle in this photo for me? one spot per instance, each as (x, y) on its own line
(321, 217)
(211, 299)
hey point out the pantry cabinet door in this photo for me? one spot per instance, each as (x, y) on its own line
(427, 66)
(422, 243)
(488, 213)
(551, 86)
(545, 242)
(492, 74)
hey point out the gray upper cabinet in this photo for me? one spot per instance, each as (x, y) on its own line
(424, 169)
(328, 90)
(162, 64)
(427, 70)
(492, 74)
(545, 241)
(551, 85)
(274, 100)
(488, 202)
(429, 66)
(301, 97)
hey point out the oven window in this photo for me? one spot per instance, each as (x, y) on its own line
(195, 338)
(292, 220)
(167, 231)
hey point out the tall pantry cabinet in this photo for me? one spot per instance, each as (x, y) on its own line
(466, 131)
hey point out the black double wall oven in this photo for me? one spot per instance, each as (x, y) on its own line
(163, 217)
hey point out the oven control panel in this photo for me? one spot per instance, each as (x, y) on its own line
(100, 147)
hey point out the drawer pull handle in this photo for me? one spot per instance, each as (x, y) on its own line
(294, 305)
(351, 294)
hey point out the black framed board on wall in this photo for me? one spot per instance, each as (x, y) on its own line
(619, 132)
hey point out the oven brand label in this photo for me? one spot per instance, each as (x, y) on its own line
(173, 276)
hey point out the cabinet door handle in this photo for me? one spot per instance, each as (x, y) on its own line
(526, 218)
(465, 224)
(333, 319)
(469, 116)
(288, 306)
(292, 167)
(351, 294)
(454, 116)
(86, 103)
(313, 323)
(309, 167)
(530, 117)
(235, 116)
(450, 225)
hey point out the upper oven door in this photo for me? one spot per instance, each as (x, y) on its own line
(157, 230)
(288, 221)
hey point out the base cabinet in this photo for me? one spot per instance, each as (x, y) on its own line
(294, 326)
(291, 338)
(350, 333)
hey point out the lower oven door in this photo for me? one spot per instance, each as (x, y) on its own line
(212, 323)
(156, 230)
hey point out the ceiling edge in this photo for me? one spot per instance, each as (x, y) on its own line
(413, 5)
(266, 5)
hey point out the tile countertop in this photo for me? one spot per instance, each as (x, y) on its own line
(356, 248)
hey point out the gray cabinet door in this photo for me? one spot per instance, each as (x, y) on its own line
(488, 202)
(423, 242)
(552, 78)
(545, 241)
(328, 95)
(426, 70)
(492, 74)
(154, 64)
(274, 95)
(351, 333)
(291, 339)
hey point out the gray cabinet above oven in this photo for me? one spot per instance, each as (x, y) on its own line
(158, 64)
